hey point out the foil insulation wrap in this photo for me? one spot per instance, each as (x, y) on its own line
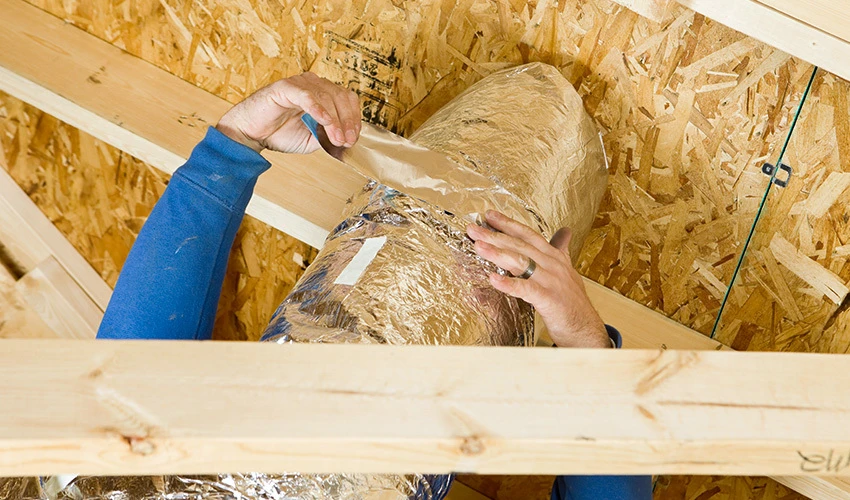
(399, 268)
(227, 487)
(526, 128)
(423, 285)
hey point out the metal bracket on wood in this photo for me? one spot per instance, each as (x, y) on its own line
(768, 169)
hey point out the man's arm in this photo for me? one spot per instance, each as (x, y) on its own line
(170, 283)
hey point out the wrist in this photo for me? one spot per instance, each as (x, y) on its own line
(233, 133)
(590, 338)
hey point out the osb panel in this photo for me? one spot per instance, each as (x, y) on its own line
(99, 198)
(721, 488)
(666, 488)
(510, 487)
(778, 302)
(689, 108)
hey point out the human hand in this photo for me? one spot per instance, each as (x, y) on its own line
(271, 117)
(555, 288)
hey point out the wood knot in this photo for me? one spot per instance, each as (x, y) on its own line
(139, 445)
(472, 445)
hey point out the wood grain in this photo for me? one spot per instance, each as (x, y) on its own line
(199, 407)
(830, 16)
(59, 301)
(781, 30)
(32, 238)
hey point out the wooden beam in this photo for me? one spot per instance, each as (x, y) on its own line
(31, 239)
(59, 301)
(642, 327)
(154, 407)
(154, 115)
(17, 319)
(810, 42)
(819, 488)
(830, 16)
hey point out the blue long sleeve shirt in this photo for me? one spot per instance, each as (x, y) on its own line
(171, 281)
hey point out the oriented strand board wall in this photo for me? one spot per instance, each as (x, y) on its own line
(780, 302)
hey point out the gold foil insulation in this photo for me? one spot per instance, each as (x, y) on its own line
(425, 284)
(526, 129)
(399, 269)
(228, 487)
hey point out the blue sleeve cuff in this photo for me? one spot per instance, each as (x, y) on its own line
(223, 167)
(615, 336)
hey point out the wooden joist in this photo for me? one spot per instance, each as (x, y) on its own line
(150, 407)
(816, 31)
(775, 23)
(32, 239)
(60, 301)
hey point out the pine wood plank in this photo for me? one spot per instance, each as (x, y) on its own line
(780, 30)
(830, 16)
(32, 238)
(153, 407)
(60, 301)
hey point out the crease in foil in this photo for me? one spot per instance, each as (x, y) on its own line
(518, 141)
(428, 175)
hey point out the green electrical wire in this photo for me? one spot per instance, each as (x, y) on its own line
(763, 203)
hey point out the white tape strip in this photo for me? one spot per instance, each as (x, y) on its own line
(55, 484)
(361, 260)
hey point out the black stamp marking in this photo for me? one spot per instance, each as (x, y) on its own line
(832, 461)
(369, 73)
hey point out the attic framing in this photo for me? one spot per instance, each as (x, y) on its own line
(126, 102)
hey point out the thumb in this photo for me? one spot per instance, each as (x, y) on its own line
(562, 240)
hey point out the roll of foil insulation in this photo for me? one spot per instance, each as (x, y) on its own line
(399, 268)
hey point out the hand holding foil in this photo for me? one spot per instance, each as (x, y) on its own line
(270, 118)
(544, 277)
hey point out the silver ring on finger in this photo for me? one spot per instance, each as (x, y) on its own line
(532, 266)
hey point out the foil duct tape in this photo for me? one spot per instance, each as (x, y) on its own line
(399, 268)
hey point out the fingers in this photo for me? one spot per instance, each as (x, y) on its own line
(501, 240)
(519, 231)
(335, 108)
(348, 108)
(526, 290)
(343, 106)
(513, 262)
